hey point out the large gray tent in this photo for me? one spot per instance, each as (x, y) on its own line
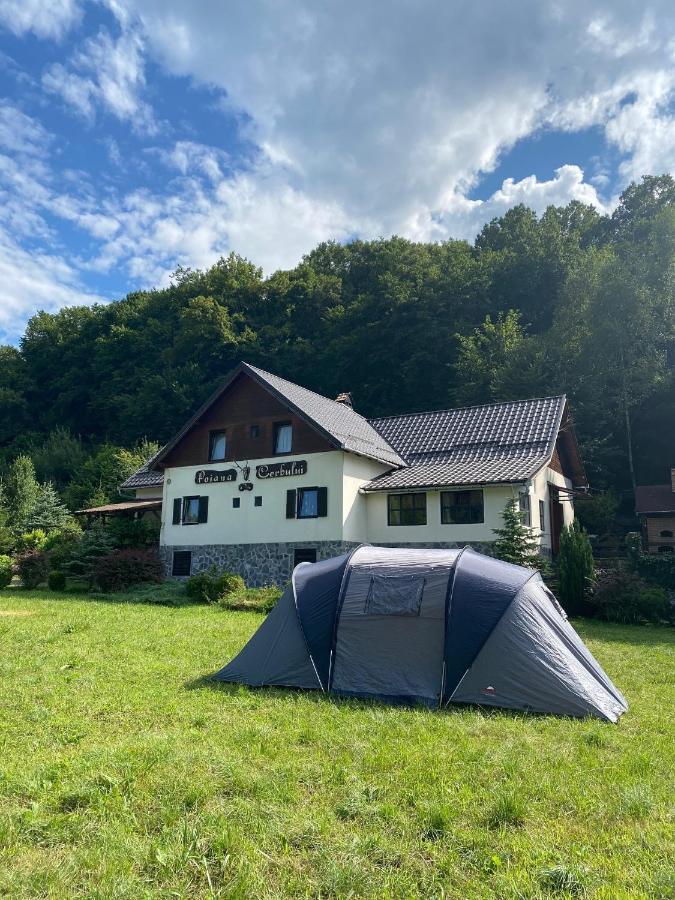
(428, 626)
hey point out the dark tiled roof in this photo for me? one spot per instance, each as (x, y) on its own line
(654, 498)
(350, 430)
(111, 508)
(499, 442)
(146, 476)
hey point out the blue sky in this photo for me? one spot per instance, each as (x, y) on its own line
(139, 135)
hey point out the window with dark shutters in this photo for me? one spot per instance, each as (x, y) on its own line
(203, 514)
(290, 503)
(176, 510)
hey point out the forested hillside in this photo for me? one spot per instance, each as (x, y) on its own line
(568, 302)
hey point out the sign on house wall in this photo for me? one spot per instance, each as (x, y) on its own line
(213, 476)
(282, 469)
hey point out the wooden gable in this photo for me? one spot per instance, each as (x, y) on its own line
(244, 403)
(566, 458)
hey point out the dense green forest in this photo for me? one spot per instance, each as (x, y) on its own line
(571, 301)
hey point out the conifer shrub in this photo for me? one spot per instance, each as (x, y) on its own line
(35, 539)
(124, 568)
(33, 568)
(5, 571)
(515, 542)
(576, 570)
(56, 581)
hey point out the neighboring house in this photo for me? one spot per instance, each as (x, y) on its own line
(655, 507)
(267, 474)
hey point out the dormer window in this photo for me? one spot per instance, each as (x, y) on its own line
(217, 446)
(283, 437)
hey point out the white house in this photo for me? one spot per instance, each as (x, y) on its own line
(267, 474)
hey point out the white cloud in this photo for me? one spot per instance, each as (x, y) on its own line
(45, 18)
(106, 72)
(32, 281)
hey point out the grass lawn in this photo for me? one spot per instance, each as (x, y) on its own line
(124, 775)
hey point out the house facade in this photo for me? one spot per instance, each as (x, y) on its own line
(655, 507)
(268, 474)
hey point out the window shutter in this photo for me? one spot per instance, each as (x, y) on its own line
(176, 510)
(203, 514)
(322, 502)
(290, 504)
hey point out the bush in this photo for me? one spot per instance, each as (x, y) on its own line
(576, 570)
(137, 533)
(118, 571)
(262, 599)
(7, 540)
(32, 540)
(622, 596)
(5, 571)
(56, 581)
(210, 587)
(33, 568)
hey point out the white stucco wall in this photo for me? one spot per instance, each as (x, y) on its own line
(357, 471)
(251, 524)
(149, 493)
(494, 500)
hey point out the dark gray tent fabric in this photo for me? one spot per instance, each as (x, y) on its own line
(482, 590)
(427, 626)
(393, 649)
(527, 663)
(317, 588)
(276, 654)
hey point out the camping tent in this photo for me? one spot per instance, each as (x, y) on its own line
(429, 626)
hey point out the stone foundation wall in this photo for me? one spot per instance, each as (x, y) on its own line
(258, 564)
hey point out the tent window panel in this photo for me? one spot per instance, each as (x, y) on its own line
(394, 595)
(462, 508)
(407, 509)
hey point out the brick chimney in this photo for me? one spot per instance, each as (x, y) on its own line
(346, 398)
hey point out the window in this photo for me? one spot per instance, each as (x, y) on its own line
(306, 503)
(542, 515)
(255, 431)
(666, 533)
(190, 510)
(236, 502)
(303, 554)
(283, 437)
(407, 509)
(461, 507)
(217, 445)
(257, 501)
(182, 562)
(524, 503)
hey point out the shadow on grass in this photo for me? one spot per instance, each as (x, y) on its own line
(318, 697)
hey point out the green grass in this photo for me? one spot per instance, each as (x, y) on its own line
(124, 775)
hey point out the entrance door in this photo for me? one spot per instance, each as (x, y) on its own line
(557, 519)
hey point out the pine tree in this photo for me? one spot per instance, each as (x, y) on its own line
(22, 491)
(515, 543)
(49, 510)
(576, 569)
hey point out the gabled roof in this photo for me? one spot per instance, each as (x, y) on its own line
(654, 499)
(337, 422)
(497, 442)
(146, 476)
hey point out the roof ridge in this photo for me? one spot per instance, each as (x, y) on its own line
(447, 409)
(303, 388)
